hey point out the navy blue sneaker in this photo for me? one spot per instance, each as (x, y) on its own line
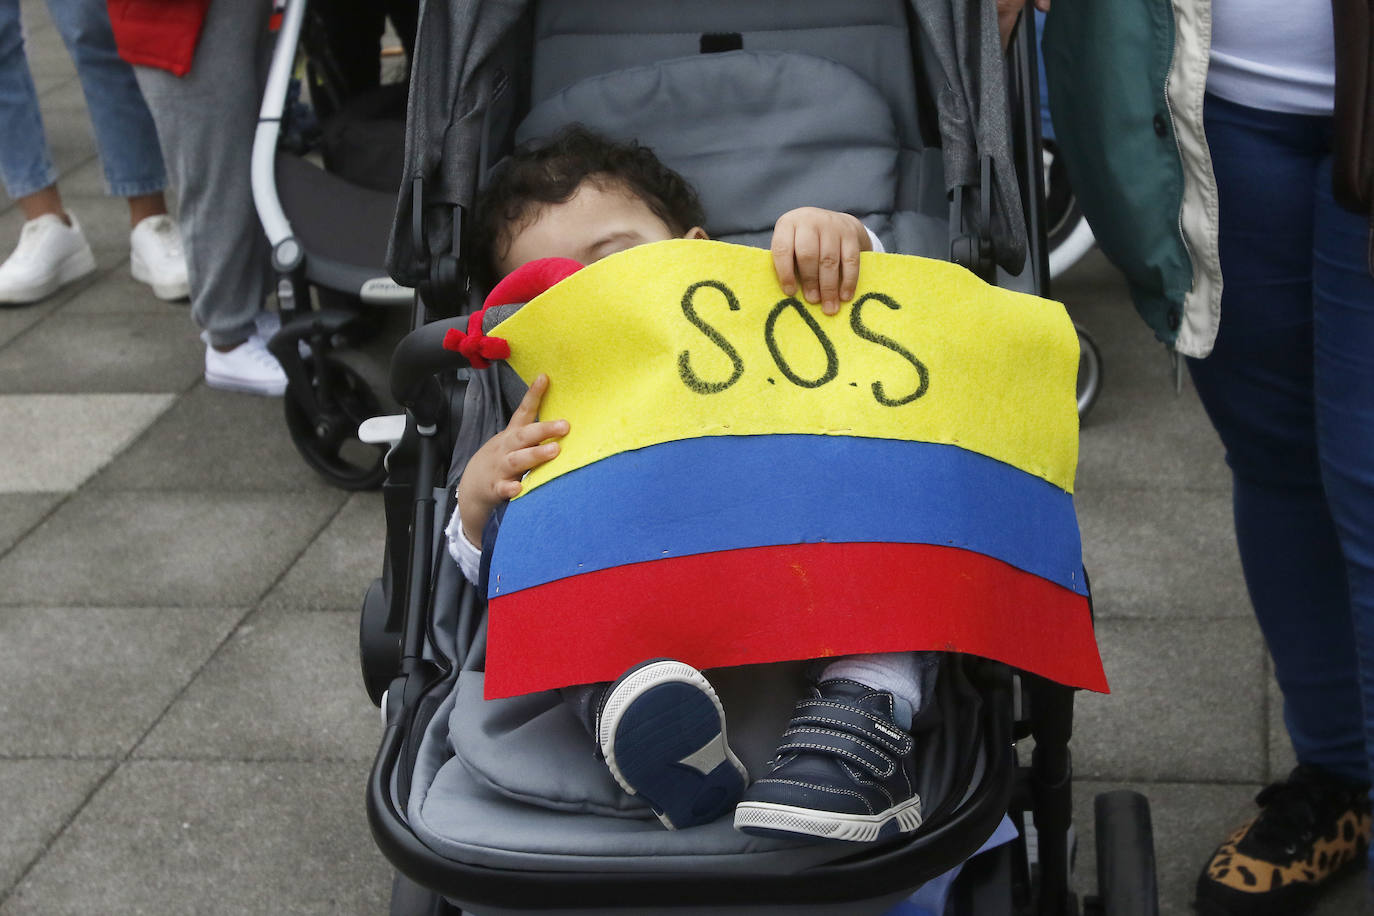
(661, 730)
(844, 771)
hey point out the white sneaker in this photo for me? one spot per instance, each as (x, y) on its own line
(249, 368)
(157, 258)
(50, 254)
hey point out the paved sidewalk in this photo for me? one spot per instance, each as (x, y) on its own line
(182, 724)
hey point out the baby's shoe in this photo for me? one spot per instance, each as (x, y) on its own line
(157, 258)
(1311, 827)
(50, 254)
(845, 771)
(661, 730)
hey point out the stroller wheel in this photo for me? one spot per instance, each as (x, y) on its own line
(328, 438)
(1125, 857)
(1068, 233)
(1089, 371)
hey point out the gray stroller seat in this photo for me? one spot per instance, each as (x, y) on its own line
(758, 129)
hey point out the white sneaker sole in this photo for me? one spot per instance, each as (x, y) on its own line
(853, 828)
(231, 383)
(75, 266)
(168, 291)
(639, 682)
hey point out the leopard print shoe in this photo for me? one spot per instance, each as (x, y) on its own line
(1311, 827)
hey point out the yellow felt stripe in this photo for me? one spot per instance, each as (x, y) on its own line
(690, 338)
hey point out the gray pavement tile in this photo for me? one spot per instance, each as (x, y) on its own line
(1139, 434)
(1186, 704)
(1159, 442)
(214, 440)
(222, 838)
(1161, 553)
(54, 442)
(38, 797)
(49, 64)
(284, 687)
(339, 566)
(1189, 821)
(176, 549)
(105, 222)
(106, 674)
(16, 320)
(120, 293)
(19, 512)
(109, 353)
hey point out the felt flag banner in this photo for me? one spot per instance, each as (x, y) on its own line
(748, 480)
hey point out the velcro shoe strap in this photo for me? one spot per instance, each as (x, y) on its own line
(838, 744)
(845, 717)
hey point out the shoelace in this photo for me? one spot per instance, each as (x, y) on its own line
(1293, 810)
(1288, 818)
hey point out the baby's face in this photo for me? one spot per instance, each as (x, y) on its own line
(594, 222)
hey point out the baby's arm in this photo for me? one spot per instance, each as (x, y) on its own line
(820, 250)
(493, 474)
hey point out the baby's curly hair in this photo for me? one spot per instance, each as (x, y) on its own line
(550, 171)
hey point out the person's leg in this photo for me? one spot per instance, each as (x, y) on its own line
(206, 122)
(1257, 387)
(52, 251)
(25, 165)
(1343, 298)
(124, 130)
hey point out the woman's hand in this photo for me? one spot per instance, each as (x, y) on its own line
(818, 250)
(493, 474)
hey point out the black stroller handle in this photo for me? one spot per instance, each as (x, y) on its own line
(417, 359)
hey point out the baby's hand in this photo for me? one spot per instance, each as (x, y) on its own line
(820, 250)
(493, 475)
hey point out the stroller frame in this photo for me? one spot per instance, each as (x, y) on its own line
(402, 679)
(327, 399)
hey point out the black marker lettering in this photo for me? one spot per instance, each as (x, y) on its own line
(873, 336)
(684, 359)
(832, 362)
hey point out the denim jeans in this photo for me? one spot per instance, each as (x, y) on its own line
(1290, 389)
(124, 131)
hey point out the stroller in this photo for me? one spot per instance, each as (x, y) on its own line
(327, 229)
(484, 806)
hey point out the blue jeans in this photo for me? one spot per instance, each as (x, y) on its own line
(1290, 389)
(124, 131)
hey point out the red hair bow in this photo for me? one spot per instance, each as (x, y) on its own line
(521, 285)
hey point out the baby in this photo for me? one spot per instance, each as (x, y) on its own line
(845, 767)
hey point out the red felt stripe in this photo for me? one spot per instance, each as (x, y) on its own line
(770, 604)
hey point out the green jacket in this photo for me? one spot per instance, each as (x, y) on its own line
(1126, 83)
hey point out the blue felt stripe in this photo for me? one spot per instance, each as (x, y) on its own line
(716, 493)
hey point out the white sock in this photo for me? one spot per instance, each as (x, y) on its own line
(906, 675)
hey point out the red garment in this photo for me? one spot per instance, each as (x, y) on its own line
(159, 33)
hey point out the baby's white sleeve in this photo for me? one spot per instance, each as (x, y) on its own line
(876, 242)
(467, 556)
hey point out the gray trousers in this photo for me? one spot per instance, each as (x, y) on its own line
(205, 123)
